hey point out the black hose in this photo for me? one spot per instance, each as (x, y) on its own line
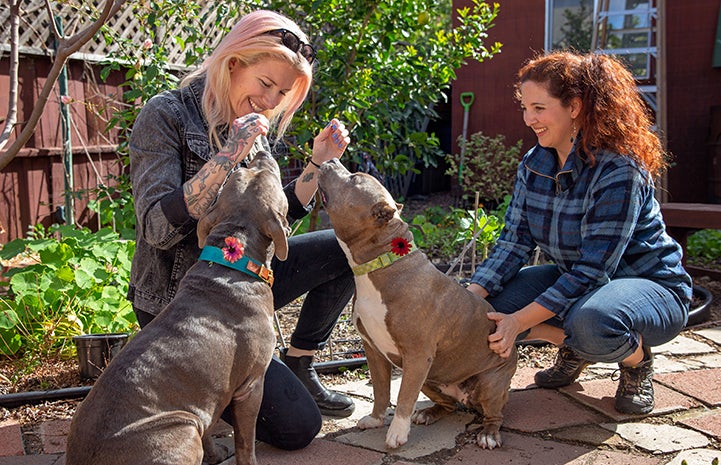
(35, 397)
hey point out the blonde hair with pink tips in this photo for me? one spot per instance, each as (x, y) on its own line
(248, 44)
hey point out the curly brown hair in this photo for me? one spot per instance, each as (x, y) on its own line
(613, 115)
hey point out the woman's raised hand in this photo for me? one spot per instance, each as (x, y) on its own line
(331, 142)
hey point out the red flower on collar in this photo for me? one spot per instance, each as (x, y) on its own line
(400, 246)
(234, 251)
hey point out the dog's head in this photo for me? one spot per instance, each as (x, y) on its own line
(358, 205)
(251, 203)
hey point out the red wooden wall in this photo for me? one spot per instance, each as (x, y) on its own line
(32, 186)
(693, 87)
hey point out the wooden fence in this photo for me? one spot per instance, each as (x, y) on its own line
(32, 186)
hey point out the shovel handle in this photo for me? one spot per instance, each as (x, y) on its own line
(467, 100)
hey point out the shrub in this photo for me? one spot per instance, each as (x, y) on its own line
(488, 167)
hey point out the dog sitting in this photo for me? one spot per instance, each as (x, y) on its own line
(209, 348)
(411, 315)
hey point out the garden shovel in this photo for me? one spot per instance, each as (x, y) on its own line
(466, 101)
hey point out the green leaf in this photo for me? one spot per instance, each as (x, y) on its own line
(8, 318)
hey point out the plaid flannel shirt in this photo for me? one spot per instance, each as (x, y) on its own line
(595, 223)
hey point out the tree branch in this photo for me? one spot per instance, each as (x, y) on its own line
(66, 47)
(12, 115)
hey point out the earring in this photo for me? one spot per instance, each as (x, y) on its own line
(573, 132)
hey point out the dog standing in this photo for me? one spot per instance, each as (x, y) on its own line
(411, 315)
(209, 348)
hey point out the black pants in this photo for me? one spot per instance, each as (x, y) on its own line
(289, 418)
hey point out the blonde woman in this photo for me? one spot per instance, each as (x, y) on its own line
(184, 143)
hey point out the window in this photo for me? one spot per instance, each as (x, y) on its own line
(626, 29)
(569, 24)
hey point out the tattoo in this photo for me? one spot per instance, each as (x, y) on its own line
(308, 177)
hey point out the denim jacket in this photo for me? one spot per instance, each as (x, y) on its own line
(168, 145)
(596, 223)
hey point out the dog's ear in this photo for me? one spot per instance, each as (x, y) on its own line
(205, 224)
(399, 206)
(277, 228)
(382, 212)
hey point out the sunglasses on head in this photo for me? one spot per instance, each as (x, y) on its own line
(294, 43)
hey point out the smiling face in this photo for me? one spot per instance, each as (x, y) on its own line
(550, 120)
(260, 87)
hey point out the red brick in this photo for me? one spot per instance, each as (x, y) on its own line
(11, 439)
(700, 384)
(53, 435)
(708, 424)
(599, 395)
(522, 412)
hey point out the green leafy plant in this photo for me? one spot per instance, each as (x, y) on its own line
(75, 283)
(442, 232)
(488, 166)
(705, 245)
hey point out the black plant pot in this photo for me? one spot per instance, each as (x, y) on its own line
(700, 312)
(96, 350)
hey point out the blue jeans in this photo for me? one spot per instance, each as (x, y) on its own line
(289, 417)
(605, 325)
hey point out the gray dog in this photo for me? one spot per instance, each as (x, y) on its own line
(209, 348)
(412, 316)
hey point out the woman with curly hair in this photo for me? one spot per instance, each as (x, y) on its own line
(585, 196)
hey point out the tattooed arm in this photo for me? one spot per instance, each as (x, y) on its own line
(201, 189)
(330, 143)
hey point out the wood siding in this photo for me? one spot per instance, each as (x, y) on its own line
(32, 186)
(693, 88)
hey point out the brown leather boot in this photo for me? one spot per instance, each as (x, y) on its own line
(635, 387)
(566, 369)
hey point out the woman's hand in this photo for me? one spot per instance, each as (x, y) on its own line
(200, 190)
(331, 142)
(241, 135)
(504, 338)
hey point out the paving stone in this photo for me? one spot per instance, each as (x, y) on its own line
(11, 439)
(682, 345)
(523, 378)
(33, 460)
(362, 408)
(696, 457)
(712, 334)
(592, 435)
(709, 423)
(53, 435)
(658, 438)
(700, 384)
(705, 361)
(599, 395)
(364, 389)
(423, 439)
(522, 412)
(319, 452)
(528, 450)
(664, 364)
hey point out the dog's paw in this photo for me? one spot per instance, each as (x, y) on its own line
(398, 432)
(489, 439)
(369, 422)
(428, 415)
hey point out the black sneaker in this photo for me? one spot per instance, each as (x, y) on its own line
(330, 403)
(565, 370)
(635, 387)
